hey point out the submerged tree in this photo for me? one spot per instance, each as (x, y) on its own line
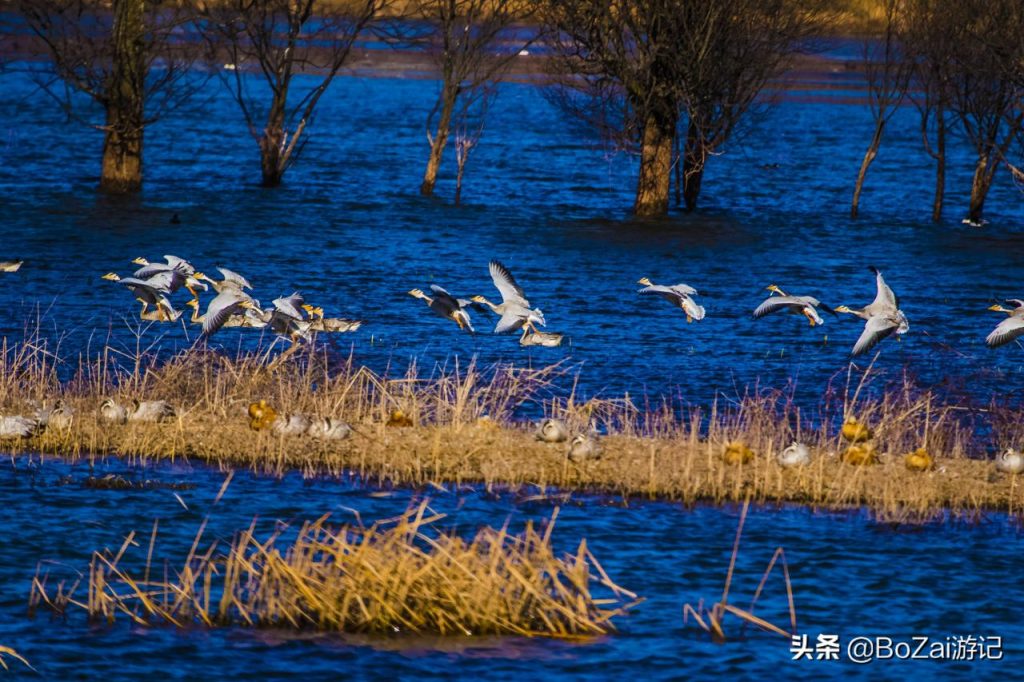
(987, 102)
(963, 54)
(641, 69)
(472, 47)
(124, 56)
(267, 43)
(929, 32)
(887, 72)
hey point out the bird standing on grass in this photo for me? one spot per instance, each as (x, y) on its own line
(882, 316)
(677, 294)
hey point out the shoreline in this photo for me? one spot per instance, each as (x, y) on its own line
(686, 470)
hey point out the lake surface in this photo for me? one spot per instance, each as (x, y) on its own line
(851, 577)
(350, 231)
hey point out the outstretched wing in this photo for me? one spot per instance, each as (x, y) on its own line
(775, 303)
(291, 306)
(1006, 331)
(234, 277)
(876, 329)
(884, 295)
(510, 290)
(223, 306)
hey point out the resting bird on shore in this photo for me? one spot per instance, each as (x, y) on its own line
(10, 265)
(447, 306)
(151, 292)
(919, 460)
(678, 294)
(111, 411)
(737, 452)
(553, 431)
(328, 428)
(514, 309)
(1010, 461)
(795, 455)
(152, 411)
(800, 305)
(1010, 328)
(855, 431)
(60, 417)
(883, 316)
(584, 447)
(15, 426)
(861, 455)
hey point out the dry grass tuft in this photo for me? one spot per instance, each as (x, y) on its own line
(397, 575)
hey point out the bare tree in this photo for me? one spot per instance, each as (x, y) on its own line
(124, 55)
(650, 66)
(887, 72)
(471, 45)
(986, 101)
(264, 45)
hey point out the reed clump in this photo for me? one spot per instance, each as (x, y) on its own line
(399, 575)
(464, 424)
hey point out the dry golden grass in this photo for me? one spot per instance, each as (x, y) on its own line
(8, 651)
(464, 432)
(397, 575)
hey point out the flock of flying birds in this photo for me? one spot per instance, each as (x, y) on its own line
(291, 317)
(882, 317)
(232, 306)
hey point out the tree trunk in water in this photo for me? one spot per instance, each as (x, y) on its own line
(979, 188)
(869, 156)
(438, 144)
(655, 166)
(270, 156)
(272, 144)
(693, 166)
(121, 171)
(940, 170)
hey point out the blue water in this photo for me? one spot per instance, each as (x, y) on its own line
(349, 230)
(851, 577)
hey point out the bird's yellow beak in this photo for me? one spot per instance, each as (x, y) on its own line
(842, 309)
(140, 261)
(199, 275)
(643, 280)
(996, 308)
(111, 277)
(477, 299)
